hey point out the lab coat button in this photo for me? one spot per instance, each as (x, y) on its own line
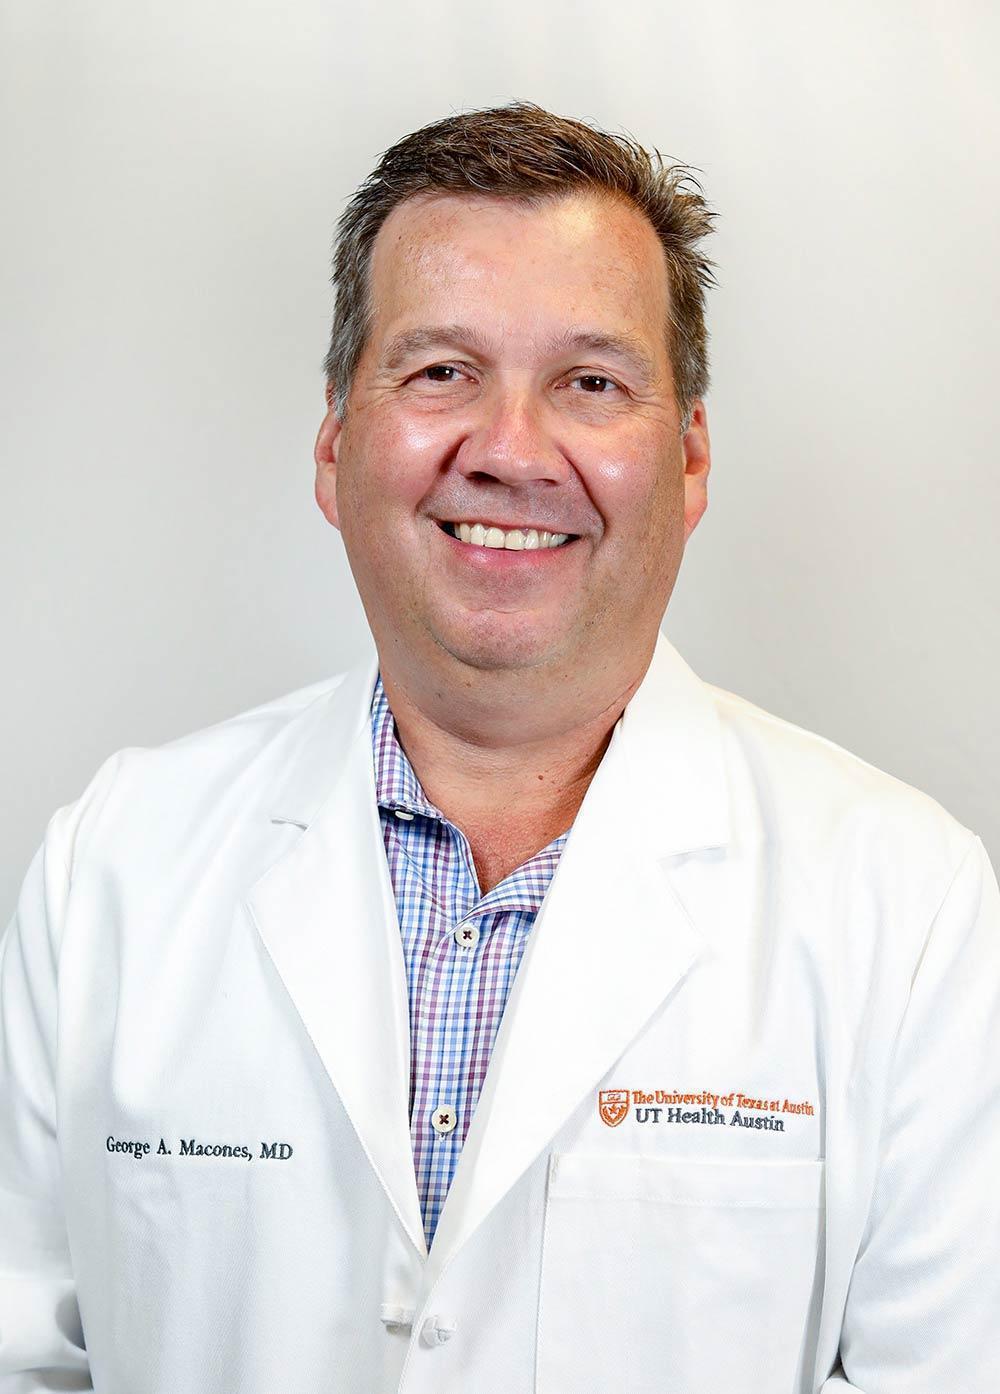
(467, 936)
(444, 1118)
(436, 1330)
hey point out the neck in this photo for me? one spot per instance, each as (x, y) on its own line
(500, 750)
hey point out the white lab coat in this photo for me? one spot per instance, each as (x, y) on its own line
(206, 958)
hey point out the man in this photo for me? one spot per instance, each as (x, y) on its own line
(514, 1012)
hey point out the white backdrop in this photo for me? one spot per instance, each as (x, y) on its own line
(171, 177)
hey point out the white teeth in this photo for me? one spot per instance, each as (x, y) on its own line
(515, 540)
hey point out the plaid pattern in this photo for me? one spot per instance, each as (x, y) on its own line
(456, 994)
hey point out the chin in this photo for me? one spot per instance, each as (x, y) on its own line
(493, 646)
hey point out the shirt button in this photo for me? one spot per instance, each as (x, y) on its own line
(402, 813)
(443, 1119)
(467, 935)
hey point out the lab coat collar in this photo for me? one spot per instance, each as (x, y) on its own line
(610, 943)
(673, 767)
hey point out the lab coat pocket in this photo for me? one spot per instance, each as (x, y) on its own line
(679, 1276)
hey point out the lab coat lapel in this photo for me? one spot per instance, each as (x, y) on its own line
(611, 942)
(327, 915)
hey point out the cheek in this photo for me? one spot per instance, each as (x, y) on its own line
(419, 436)
(397, 459)
(638, 494)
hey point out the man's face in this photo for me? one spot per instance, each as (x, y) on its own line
(516, 374)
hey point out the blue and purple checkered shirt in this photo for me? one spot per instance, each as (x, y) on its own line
(462, 950)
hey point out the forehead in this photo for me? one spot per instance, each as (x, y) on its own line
(580, 257)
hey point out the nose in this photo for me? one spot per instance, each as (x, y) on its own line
(511, 440)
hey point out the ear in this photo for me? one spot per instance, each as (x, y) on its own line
(697, 463)
(325, 455)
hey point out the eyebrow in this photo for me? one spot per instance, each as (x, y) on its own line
(429, 336)
(627, 347)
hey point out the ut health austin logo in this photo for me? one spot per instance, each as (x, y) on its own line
(612, 1105)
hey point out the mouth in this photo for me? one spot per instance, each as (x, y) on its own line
(492, 537)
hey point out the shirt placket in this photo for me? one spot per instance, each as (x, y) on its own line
(441, 1120)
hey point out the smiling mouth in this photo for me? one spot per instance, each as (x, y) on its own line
(507, 539)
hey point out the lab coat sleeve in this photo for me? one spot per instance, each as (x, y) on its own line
(41, 1340)
(922, 1306)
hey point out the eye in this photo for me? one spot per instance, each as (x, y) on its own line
(596, 384)
(439, 372)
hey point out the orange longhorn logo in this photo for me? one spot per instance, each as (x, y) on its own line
(612, 1106)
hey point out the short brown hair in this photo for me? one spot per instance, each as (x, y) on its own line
(525, 153)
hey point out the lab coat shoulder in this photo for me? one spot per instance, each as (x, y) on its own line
(833, 812)
(148, 802)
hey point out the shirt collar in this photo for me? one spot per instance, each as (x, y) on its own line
(396, 782)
